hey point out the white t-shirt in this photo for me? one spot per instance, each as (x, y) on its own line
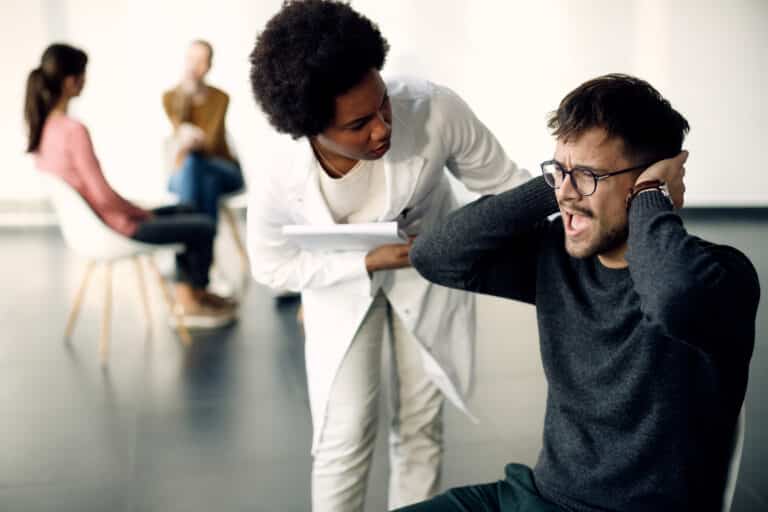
(358, 196)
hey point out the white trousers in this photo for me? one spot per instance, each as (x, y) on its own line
(344, 452)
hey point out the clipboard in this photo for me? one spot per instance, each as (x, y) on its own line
(344, 237)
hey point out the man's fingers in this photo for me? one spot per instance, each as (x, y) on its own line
(682, 157)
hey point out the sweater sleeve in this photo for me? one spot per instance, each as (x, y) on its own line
(89, 170)
(687, 286)
(491, 245)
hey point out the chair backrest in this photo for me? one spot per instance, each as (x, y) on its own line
(735, 462)
(83, 230)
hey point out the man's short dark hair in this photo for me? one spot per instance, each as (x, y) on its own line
(308, 54)
(625, 107)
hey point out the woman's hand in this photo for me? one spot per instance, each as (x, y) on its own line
(389, 257)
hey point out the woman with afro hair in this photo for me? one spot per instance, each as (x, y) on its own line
(367, 151)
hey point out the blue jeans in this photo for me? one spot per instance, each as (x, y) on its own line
(178, 224)
(200, 181)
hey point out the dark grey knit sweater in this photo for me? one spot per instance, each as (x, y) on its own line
(646, 366)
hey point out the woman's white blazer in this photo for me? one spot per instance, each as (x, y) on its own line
(432, 130)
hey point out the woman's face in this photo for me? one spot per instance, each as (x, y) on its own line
(362, 126)
(73, 85)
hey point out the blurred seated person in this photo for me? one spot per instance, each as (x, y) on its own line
(205, 167)
(62, 146)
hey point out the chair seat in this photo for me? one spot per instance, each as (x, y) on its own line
(134, 248)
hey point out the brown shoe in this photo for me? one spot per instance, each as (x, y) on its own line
(217, 301)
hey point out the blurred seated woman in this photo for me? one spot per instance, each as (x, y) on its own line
(62, 146)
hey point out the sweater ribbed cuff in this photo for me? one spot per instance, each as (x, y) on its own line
(648, 203)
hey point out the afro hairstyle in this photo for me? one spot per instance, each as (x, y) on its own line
(309, 53)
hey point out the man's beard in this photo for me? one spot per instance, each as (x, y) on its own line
(609, 241)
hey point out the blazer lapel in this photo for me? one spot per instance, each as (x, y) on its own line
(401, 179)
(402, 167)
(314, 206)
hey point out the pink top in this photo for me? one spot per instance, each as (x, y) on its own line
(66, 151)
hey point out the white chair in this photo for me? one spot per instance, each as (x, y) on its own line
(735, 462)
(87, 235)
(228, 205)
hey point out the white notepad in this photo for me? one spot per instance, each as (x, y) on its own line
(344, 237)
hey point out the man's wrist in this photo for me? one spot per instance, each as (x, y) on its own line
(649, 175)
(648, 186)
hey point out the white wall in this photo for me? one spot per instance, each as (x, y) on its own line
(22, 30)
(512, 61)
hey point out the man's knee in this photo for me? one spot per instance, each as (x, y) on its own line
(193, 165)
(445, 502)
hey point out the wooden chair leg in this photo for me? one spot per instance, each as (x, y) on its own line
(78, 301)
(180, 327)
(143, 291)
(229, 217)
(107, 320)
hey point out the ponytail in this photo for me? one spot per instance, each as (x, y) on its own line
(44, 87)
(40, 100)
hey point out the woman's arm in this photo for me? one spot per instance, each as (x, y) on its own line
(474, 155)
(279, 264)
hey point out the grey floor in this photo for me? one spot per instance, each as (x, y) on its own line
(224, 425)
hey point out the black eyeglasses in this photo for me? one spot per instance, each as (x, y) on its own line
(584, 180)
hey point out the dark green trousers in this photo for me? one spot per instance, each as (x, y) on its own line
(515, 494)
